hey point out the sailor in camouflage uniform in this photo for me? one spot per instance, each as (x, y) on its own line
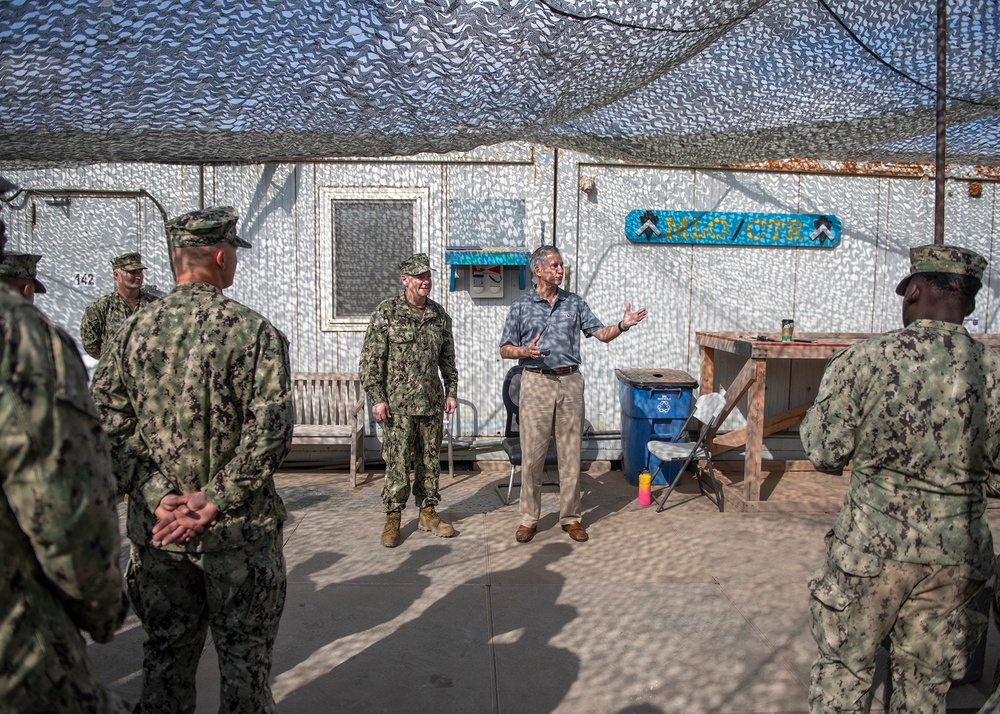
(59, 570)
(18, 270)
(916, 411)
(407, 342)
(104, 316)
(195, 394)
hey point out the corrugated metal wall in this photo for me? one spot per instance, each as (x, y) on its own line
(286, 276)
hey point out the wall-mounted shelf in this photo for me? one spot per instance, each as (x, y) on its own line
(470, 255)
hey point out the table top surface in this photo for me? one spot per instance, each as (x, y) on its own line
(805, 345)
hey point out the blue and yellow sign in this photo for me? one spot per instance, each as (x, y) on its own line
(783, 230)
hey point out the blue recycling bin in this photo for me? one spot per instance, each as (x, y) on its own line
(655, 403)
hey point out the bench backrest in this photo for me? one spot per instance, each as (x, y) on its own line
(325, 398)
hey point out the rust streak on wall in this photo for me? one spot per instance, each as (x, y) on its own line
(871, 168)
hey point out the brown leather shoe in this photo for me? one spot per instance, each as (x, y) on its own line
(525, 533)
(576, 531)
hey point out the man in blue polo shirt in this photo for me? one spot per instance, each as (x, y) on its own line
(543, 331)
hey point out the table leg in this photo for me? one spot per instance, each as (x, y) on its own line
(707, 380)
(755, 433)
(707, 377)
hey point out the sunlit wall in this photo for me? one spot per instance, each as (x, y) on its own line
(507, 196)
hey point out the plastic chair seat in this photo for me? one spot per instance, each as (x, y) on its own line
(675, 451)
(707, 410)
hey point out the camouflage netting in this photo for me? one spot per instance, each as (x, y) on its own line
(672, 81)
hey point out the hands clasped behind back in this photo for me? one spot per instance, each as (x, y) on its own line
(181, 517)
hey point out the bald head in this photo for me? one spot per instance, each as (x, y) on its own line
(212, 264)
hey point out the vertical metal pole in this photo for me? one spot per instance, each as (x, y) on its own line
(941, 122)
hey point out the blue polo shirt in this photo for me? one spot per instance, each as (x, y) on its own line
(559, 324)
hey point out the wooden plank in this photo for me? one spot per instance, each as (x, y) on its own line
(322, 430)
(755, 431)
(734, 469)
(340, 404)
(747, 344)
(707, 382)
(734, 393)
(779, 422)
(297, 402)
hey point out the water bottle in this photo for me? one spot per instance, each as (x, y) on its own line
(645, 495)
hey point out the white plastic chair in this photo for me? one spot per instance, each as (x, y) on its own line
(706, 410)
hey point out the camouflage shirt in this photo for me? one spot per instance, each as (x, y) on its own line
(104, 316)
(917, 412)
(59, 571)
(402, 354)
(195, 395)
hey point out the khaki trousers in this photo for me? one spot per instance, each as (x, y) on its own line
(550, 404)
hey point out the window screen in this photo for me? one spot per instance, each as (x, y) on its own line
(370, 240)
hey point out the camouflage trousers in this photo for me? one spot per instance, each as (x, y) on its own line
(239, 593)
(419, 438)
(992, 705)
(55, 676)
(927, 611)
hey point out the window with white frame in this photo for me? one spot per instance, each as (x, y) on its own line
(365, 233)
(370, 238)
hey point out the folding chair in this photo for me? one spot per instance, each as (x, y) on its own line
(706, 410)
(512, 440)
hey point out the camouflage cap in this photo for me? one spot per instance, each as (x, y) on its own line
(128, 261)
(943, 259)
(416, 264)
(21, 266)
(208, 226)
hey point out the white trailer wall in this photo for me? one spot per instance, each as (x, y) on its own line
(287, 274)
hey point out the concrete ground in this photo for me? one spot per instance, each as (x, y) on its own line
(688, 610)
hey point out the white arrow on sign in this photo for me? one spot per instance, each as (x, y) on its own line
(820, 231)
(647, 226)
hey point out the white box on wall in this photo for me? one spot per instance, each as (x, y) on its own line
(487, 281)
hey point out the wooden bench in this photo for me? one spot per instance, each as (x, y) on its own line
(330, 409)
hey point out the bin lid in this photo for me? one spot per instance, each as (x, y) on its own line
(655, 378)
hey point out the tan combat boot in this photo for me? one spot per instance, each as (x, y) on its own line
(431, 521)
(390, 533)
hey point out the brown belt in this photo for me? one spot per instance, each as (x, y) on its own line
(562, 371)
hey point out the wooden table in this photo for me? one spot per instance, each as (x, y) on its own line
(759, 348)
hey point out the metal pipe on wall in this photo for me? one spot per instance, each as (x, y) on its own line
(941, 122)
